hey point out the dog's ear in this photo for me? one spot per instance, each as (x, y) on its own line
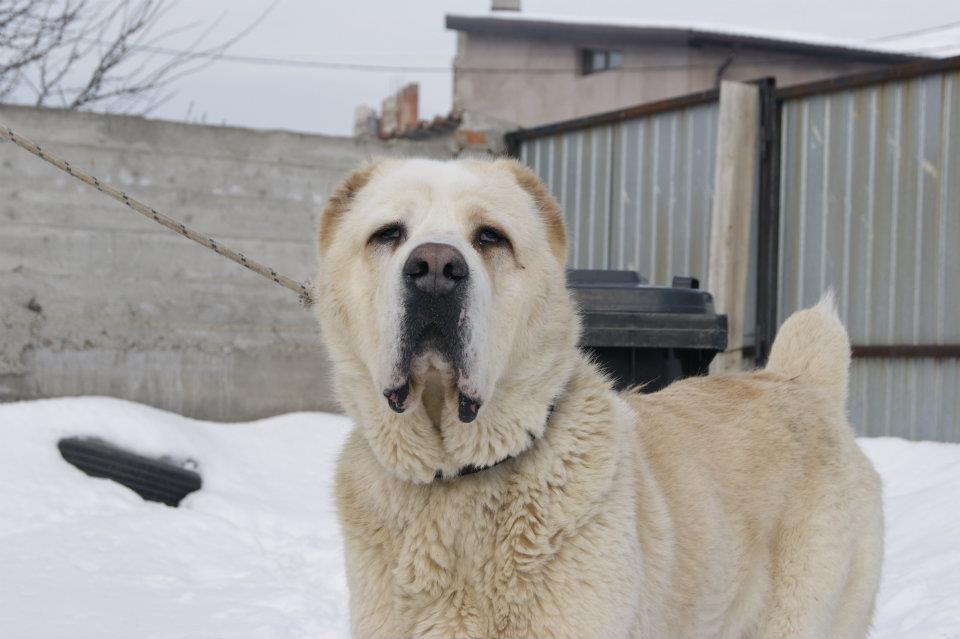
(545, 202)
(339, 202)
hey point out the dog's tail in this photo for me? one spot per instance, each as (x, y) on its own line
(813, 346)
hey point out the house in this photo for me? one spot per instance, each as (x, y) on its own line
(532, 70)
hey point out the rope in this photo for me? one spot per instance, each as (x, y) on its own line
(300, 288)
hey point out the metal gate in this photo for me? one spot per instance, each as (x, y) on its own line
(870, 206)
(858, 190)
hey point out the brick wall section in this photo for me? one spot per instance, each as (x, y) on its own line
(408, 99)
(96, 300)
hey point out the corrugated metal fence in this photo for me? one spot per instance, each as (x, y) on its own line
(869, 205)
(636, 193)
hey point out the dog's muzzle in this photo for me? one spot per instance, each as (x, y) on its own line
(435, 280)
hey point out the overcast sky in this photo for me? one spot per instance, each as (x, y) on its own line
(396, 32)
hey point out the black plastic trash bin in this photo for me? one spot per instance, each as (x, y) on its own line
(647, 335)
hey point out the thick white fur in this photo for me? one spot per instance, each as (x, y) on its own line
(731, 506)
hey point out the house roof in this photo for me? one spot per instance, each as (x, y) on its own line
(694, 35)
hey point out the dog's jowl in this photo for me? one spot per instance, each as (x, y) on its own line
(496, 486)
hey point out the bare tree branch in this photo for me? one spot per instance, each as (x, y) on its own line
(80, 54)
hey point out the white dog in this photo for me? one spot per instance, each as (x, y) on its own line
(495, 485)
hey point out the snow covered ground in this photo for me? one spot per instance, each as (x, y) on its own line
(256, 553)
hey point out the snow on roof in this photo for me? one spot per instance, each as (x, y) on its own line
(769, 38)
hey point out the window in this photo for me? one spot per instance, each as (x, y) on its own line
(596, 60)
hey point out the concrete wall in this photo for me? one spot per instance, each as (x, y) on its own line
(95, 299)
(529, 99)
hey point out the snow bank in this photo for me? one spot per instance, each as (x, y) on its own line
(920, 592)
(256, 553)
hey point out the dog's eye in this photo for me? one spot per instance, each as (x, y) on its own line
(392, 233)
(488, 236)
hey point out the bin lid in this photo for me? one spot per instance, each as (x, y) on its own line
(620, 309)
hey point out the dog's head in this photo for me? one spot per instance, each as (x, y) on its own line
(442, 299)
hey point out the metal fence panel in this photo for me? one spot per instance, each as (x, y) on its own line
(924, 402)
(575, 167)
(636, 194)
(870, 206)
(662, 193)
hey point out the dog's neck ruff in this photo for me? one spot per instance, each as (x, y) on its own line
(471, 469)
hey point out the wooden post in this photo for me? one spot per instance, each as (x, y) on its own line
(733, 194)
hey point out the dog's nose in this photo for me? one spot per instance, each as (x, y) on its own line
(436, 269)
